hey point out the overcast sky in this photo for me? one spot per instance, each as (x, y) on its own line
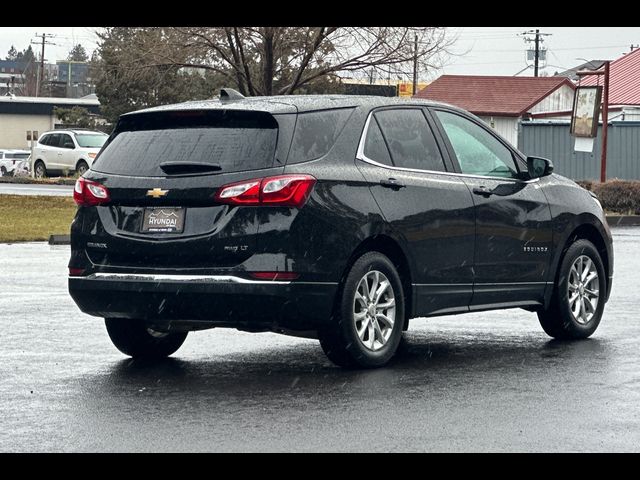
(479, 50)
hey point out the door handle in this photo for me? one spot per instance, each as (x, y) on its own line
(392, 183)
(484, 191)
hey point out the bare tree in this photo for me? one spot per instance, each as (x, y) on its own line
(284, 60)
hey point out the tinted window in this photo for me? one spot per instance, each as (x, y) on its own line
(90, 140)
(316, 133)
(45, 140)
(477, 150)
(236, 141)
(410, 139)
(374, 146)
(54, 140)
(65, 139)
(17, 155)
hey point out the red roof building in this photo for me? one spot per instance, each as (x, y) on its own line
(624, 86)
(503, 101)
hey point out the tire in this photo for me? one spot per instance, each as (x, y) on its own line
(40, 171)
(3, 172)
(134, 338)
(560, 320)
(81, 167)
(375, 345)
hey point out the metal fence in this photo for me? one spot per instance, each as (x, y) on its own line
(552, 140)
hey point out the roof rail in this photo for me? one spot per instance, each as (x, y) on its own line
(228, 95)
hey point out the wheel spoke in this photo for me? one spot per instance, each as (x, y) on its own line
(382, 288)
(586, 269)
(359, 315)
(573, 274)
(573, 287)
(383, 306)
(378, 331)
(590, 278)
(361, 299)
(372, 335)
(363, 328)
(593, 293)
(589, 304)
(374, 285)
(573, 299)
(364, 283)
(583, 313)
(386, 320)
(575, 309)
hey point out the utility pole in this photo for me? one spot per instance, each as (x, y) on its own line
(537, 54)
(537, 41)
(43, 41)
(415, 63)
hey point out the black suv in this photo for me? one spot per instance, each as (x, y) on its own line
(336, 217)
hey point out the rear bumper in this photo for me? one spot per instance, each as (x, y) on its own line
(211, 300)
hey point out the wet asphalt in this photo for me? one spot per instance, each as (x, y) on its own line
(489, 381)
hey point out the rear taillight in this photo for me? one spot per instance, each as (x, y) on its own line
(87, 193)
(283, 190)
(76, 272)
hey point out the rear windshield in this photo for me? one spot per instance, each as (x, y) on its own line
(17, 156)
(234, 141)
(86, 140)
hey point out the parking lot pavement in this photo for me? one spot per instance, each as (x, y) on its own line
(479, 382)
(35, 189)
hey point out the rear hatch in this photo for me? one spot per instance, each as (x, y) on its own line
(162, 170)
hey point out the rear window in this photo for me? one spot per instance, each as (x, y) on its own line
(235, 141)
(88, 140)
(316, 133)
(17, 156)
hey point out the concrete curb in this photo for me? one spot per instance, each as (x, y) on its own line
(60, 240)
(623, 220)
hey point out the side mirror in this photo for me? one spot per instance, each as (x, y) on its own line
(539, 167)
(69, 145)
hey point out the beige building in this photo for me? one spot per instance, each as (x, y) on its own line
(21, 114)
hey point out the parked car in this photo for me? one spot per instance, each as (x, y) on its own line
(67, 151)
(9, 160)
(335, 217)
(23, 168)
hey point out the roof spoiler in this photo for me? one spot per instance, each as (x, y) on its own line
(228, 95)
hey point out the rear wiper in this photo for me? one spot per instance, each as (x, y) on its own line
(177, 168)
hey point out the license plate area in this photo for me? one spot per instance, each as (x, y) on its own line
(163, 220)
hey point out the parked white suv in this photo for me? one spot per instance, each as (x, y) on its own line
(66, 151)
(9, 159)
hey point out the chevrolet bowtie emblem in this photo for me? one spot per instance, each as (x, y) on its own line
(156, 193)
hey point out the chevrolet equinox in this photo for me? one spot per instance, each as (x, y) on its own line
(333, 217)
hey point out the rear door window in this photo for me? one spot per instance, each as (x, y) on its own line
(234, 141)
(410, 139)
(54, 140)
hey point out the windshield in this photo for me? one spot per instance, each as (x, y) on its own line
(93, 140)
